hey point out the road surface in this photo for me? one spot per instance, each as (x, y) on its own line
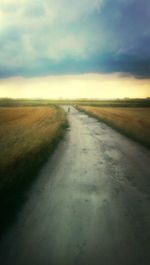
(90, 204)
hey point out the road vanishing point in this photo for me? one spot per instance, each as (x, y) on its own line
(90, 204)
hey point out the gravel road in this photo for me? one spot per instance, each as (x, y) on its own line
(90, 204)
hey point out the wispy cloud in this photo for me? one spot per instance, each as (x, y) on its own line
(40, 29)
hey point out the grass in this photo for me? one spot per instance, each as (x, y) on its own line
(133, 122)
(91, 102)
(28, 136)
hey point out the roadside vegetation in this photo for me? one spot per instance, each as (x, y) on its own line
(28, 135)
(131, 121)
(90, 102)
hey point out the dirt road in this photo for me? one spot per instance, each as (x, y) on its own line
(90, 204)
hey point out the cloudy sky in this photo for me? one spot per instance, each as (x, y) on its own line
(68, 48)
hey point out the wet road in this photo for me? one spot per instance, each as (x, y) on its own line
(90, 204)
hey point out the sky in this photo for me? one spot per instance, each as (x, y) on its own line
(68, 48)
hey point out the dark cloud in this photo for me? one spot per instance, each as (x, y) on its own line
(60, 37)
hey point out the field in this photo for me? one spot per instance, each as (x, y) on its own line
(30, 130)
(5, 102)
(27, 137)
(133, 122)
(96, 177)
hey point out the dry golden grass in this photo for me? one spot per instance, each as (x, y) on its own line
(28, 135)
(134, 122)
(25, 130)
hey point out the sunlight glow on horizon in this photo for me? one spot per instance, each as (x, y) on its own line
(94, 86)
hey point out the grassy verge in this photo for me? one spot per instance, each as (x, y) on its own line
(133, 122)
(27, 138)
